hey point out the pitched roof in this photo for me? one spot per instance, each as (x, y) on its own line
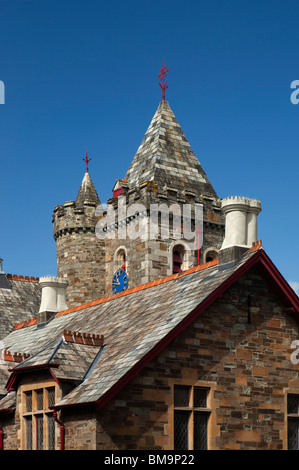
(19, 301)
(166, 158)
(136, 325)
(87, 192)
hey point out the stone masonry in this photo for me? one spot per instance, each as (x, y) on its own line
(164, 171)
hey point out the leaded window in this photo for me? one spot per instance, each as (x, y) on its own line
(191, 416)
(38, 419)
(293, 422)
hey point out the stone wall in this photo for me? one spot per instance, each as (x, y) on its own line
(243, 354)
(80, 254)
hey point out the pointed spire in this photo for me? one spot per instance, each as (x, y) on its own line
(87, 191)
(166, 158)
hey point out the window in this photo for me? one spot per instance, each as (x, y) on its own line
(210, 254)
(38, 421)
(177, 262)
(293, 422)
(120, 259)
(191, 416)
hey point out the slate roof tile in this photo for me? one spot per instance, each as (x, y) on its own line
(19, 303)
(133, 325)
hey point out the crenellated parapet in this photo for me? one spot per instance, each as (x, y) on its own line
(69, 218)
(240, 221)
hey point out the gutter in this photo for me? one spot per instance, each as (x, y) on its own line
(62, 429)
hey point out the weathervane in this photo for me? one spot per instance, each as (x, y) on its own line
(86, 160)
(162, 76)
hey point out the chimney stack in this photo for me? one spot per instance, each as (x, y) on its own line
(53, 298)
(240, 226)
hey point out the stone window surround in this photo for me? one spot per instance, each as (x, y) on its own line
(116, 258)
(45, 412)
(208, 250)
(177, 245)
(213, 428)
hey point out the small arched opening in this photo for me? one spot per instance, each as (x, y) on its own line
(210, 255)
(120, 259)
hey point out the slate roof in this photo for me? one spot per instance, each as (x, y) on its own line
(87, 192)
(165, 157)
(136, 325)
(19, 301)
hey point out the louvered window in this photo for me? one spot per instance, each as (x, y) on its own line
(191, 417)
(177, 262)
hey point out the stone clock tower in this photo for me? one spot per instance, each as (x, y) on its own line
(164, 171)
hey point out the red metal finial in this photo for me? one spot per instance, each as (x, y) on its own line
(162, 76)
(86, 160)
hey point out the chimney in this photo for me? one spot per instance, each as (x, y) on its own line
(240, 226)
(1, 266)
(53, 298)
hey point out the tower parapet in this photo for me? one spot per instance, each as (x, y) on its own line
(69, 218)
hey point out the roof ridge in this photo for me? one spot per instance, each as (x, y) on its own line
(141, 287)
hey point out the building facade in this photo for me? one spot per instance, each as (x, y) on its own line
(193, 350)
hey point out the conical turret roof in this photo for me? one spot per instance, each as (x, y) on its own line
(87, 192)
(166, 158)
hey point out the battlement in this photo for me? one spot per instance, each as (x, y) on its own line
(240, 221)
(69, 218)
(235, 201)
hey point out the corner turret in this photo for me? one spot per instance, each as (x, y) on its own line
(80, 254)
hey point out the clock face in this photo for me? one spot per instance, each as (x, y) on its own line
(119, 281)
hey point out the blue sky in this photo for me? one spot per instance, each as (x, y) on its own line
(84, 74)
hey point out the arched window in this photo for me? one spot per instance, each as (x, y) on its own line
(210, 254)
(120, 258)
(179, 259)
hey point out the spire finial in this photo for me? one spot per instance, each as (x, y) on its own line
(86, 160)
(162, 76)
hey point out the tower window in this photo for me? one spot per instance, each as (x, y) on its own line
(210, 255)
(177, 262)
(120, 259)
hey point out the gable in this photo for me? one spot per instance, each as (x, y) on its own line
(139, 323)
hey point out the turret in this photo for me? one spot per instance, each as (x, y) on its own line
(240, 225)
(80, 254)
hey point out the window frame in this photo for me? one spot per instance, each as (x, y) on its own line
(292, 416)
(192, 410)
(213, 429)
(35, 413)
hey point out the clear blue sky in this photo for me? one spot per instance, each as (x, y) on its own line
(83, 74)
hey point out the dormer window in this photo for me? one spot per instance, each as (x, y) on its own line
(38, 425)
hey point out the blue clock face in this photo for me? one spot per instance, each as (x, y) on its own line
(119, 281)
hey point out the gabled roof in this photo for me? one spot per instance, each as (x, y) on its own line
(166, 158)
(87, 192)
(141, 322)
